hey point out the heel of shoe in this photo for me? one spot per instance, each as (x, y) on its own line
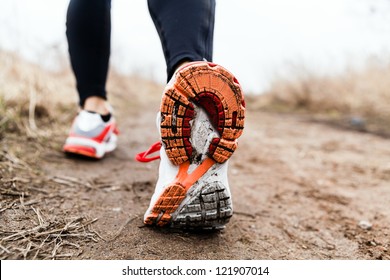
(212, 88)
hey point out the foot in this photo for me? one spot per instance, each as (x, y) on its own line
(98, 105)
(202, 115)
(91, 135)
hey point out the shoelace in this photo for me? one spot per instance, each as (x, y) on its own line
(143, 157)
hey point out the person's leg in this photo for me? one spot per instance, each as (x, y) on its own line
(88, 23)
(88, 30)
(201, 116)
(186, 29)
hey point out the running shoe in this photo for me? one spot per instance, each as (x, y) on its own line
(91, 136)
(201, 116)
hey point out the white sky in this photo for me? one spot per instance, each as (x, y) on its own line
(256, 39)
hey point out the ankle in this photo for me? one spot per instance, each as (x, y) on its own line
(96, 104)
(182, 64)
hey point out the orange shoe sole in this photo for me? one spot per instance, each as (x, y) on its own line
(216, 90)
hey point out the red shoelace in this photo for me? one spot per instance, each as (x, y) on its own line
(143, 157)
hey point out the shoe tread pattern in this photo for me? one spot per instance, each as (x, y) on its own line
(217, 91)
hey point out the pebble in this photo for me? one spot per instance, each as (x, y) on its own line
(372, 243)
(365, 225)
(357, 122)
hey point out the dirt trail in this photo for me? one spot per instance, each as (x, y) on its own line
(301, 190)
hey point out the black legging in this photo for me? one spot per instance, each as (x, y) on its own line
(185, 28)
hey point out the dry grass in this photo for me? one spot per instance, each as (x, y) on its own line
(31, 96)
(28, 229)
(49, 239)
(355, 98)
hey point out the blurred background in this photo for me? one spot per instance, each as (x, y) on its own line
(259, 40)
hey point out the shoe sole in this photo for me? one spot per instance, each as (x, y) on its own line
(217, 91)
(89, 148)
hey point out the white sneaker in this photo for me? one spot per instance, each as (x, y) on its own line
(201, 117)
(90, 136)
